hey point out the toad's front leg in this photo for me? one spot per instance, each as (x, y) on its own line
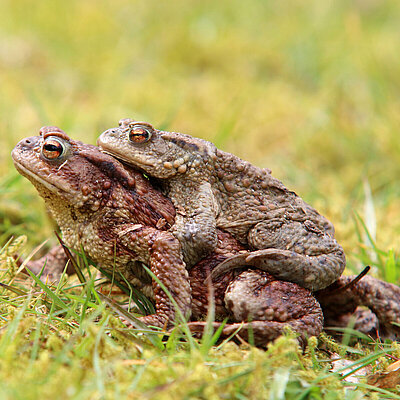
(195, 223)
(162, 252)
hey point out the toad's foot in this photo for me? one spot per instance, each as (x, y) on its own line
(361, 320)
(271, 306)
(51, 266)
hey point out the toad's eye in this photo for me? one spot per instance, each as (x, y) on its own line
(52, 149)
(139, 134)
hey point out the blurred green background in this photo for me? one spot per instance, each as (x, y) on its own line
(308, 89)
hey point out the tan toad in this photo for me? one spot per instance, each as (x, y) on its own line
(213, 189)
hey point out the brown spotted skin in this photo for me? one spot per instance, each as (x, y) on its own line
(213, 189)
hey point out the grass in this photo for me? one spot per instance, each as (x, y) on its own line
(309, 89)
(48, 346)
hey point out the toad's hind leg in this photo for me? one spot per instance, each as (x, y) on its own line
(382, 298)
(294, 251)
(263, 307)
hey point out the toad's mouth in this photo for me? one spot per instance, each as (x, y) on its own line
(124, 160)
(128, 161)
(38, 179)
(117, 156)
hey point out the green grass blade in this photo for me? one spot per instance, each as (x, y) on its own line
(56, 300)
(181, 319)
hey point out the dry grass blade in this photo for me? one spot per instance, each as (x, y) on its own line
(71, 259)
(131, 319)
(13, 289)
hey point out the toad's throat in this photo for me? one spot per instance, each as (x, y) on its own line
(30, 174)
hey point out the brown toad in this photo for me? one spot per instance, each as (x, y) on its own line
(121, 221)
(213, 189)
(83, 190)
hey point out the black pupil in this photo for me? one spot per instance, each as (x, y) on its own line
(52, 147)
(138, 134)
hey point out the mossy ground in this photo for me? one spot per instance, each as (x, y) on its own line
(308, 89)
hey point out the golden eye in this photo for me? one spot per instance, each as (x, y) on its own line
(52, 149)
(139, 134)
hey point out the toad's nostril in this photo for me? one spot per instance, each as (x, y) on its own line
(27, 141)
